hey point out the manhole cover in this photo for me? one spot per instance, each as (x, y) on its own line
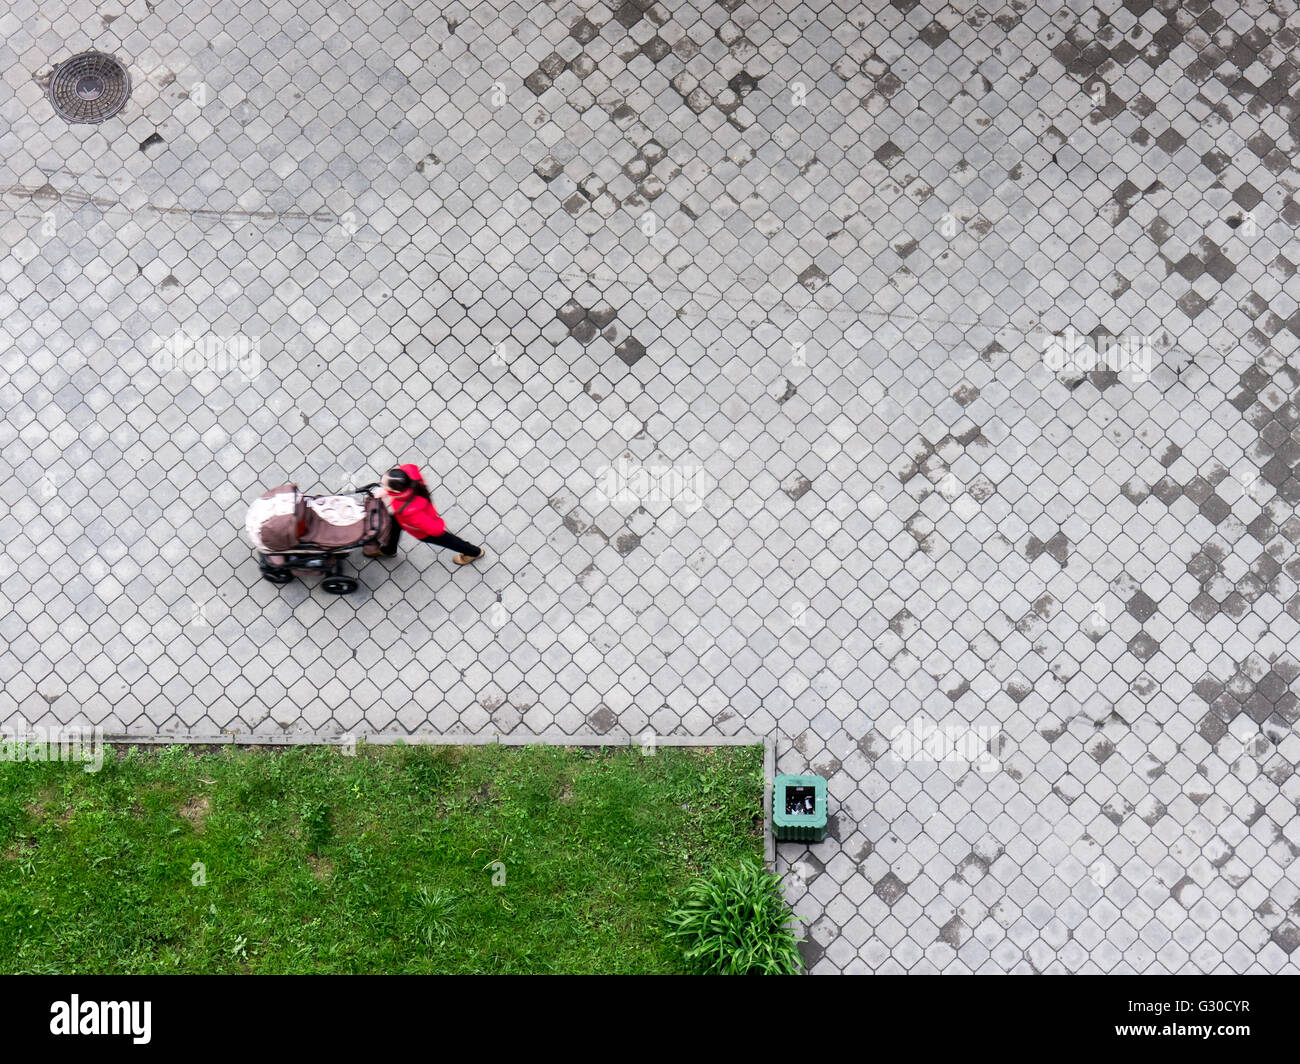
(89, 87)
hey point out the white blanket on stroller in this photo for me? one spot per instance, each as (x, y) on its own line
(337, 509)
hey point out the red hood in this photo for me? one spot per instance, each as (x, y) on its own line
(416, 515)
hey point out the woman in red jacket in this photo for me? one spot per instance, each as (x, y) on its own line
(405, 493)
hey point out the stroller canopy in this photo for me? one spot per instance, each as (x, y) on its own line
(274, 519)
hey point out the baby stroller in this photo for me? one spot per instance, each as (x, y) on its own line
(296, 534)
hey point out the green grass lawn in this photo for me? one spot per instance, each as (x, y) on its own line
(382, 862)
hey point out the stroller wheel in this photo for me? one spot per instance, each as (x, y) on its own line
(276, 576)
(339, 585)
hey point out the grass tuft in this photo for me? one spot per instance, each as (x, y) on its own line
(735, 921)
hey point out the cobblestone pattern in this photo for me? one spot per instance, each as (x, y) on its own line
(807, 255)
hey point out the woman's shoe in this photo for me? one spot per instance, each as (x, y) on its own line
(465, 559)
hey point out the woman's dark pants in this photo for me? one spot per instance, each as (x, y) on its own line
(389, 546)
(455, 543)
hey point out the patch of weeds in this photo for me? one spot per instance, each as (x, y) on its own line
(317, 825)
(430, 770)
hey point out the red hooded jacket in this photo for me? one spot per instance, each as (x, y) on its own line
(414, 513)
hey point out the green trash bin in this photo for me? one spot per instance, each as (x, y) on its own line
(799, 808)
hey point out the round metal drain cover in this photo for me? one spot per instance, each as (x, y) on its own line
(89, 87)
